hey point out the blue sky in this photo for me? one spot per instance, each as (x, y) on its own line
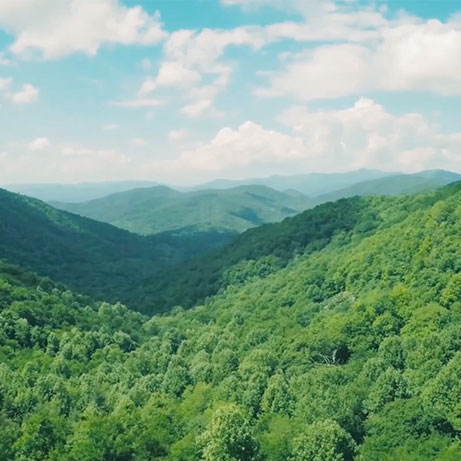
(183, 91)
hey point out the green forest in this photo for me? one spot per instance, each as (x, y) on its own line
(152, 210)
(334, 335)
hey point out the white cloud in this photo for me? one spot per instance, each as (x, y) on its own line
(39, 144)
(26, 95)
(408, 56)
(66, 162)
(148, 86)
(193, 56)
(171, 74)
(198, 108)
(139, 103)
(190, 55)
(5, 83)
(303, 6)
(56, 28)
(111, 127)
(175, 74)
(362, 136)
(178, 135)
(203, 48)
(326, 72)
(140, 142)
(77, 151)
(4, 61)
(366, 135)
(245, 150)
(421, 57)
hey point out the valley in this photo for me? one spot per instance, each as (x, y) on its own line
(334, 330)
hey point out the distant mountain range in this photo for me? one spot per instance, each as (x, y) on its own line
(76, 192)
(160, 209)
(393, 185)
(311, 184)
(93, 257)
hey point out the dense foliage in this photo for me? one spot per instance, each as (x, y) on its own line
(160, 209)
(350, 348)
(79, 192)
(333, 186)
(394, 185)
(90, 256)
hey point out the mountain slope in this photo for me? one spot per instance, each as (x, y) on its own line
(75, 192)
(311, 184)
(272, 246)
(351, 351)
(395, 185)
(158, 209)
(94, 257)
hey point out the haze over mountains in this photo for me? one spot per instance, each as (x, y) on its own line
(75, 192)
(159, 209)
(233, 208)
(211, 244)
(335, 331)
(91, 256)
(106, 261)
(311, 184)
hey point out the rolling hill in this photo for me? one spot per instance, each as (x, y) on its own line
(333, 336)
(159, 209)
(272, 246)
(310, 184)
(394, 185)
(75, 192)
(90, 256)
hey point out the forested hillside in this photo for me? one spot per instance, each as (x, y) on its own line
(160, 209)
(90, 256)
(394, 185)
(347, 347)
(311, 184)
(273, 246)
(76, 192)
(234, 210)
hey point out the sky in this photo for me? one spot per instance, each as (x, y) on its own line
(185, 91)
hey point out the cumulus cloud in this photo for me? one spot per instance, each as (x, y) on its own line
(407, 57)
(69, 162)
(243, 151)
(5, 83)
(193, 56)
(178, 135)
(4, 61)
(139, 142)
(39, 144)
(362, 136)
(190, 55)
(56, 28)
(303, 6)
(27, 94)
(171, 74)
(199, 108)
(175, 74)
